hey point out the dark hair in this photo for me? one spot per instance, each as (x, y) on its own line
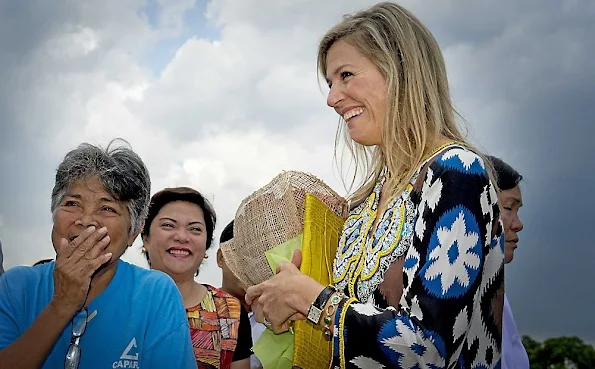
(165, 196)
(227, 233)
(507, 176)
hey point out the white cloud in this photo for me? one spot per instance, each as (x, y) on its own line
(227, 115)
(223, 116)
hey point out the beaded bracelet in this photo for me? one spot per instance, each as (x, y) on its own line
(330, 312)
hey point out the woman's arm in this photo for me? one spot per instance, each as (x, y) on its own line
(454, 271)
(75, 264)
(31, 349)
(454, 275)
(241, 364)
(243, 349)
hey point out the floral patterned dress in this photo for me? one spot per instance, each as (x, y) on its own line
(214, 325)
(425, 288)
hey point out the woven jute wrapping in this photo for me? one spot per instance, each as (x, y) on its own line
(270, 217)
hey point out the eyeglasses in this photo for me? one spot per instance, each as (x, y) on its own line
(79, 324)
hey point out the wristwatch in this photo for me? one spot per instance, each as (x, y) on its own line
(316, 308)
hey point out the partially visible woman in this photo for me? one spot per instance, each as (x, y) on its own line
(418, 275)
(178, 232)
(89, 308)
(514, 354)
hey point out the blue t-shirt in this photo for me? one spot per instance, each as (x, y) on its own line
(137, 322)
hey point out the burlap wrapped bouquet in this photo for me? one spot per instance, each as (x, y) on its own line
(294, 211)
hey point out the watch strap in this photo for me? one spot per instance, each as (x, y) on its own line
(316, 308)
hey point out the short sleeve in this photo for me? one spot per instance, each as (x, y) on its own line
(9, 322)
(244, 347)
(168, 342)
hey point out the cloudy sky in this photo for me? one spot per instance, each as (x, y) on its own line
(222, 95)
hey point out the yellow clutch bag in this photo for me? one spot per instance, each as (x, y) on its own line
(322, 229)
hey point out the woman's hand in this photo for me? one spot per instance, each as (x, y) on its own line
(257, 309)
(285, 297)
(76, 262)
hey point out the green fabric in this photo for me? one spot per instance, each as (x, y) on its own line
(274, 350)
(283, 252)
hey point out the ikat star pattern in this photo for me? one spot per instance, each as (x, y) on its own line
(449, 235)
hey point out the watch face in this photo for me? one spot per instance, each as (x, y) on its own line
(314, 314)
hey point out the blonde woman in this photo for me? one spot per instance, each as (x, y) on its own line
(418, 275)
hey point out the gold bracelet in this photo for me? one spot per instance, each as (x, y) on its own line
(329, 312)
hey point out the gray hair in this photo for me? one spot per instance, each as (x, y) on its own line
(118, 168)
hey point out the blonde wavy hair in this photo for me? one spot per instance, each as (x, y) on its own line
(418, 106)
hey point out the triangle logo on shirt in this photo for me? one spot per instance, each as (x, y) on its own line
(126, 355)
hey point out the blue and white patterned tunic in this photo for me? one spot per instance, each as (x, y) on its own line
(446, 239)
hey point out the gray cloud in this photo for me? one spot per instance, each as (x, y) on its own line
(44, 88)
(521, 73)
(537, 69)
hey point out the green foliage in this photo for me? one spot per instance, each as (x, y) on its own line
(559, 353)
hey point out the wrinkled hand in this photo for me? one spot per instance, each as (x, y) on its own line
(285, 297)
(76, 262)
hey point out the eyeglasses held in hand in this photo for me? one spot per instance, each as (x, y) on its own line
(79, 324)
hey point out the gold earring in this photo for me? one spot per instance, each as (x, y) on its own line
(206, 256)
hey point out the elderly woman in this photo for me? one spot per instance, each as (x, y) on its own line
(514, 354)
(418, 275)
(89, 308)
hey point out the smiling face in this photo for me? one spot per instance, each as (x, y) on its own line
(511, 201)
(357, 92)
(177, 239)
(87, 203)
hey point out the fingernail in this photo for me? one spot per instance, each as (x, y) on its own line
(102, 229)
(91, 228)
(108, 255)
